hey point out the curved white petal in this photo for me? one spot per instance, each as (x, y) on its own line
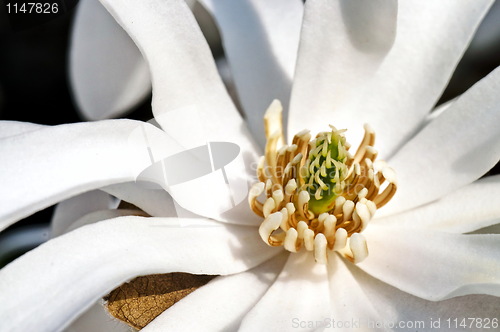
(464, 210)
(221, 304)
(12, 128)
(401, 311)
(45, 166)
(342, 44)
(158, 203)
(101, 215)
(260, 40)
(96, 318)
(81, 266)
(155, 202)
(185, 78)
(70, 210)
(434, 265)
(453, 150)
(189, 98)
(431, 38)
(436, 112)
(348, 300)
(300, 293)
(210, 179)
(107, 71)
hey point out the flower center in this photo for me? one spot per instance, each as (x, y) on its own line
(316, 194)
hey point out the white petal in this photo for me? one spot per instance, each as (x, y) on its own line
(189, 98)
(81, 266)
(260, 40)
(464, 210)
(96, 318)
(455, 149)
(342, 44)
(156, 202)
(185, 80)
(221, 304)
(300, 293)
(409, 313)
(101, 215)
(434, 265)
(107, 72)
(72, 209)
(431, 38)
(45, 166)
(349, 302)
(12, 128)
(436, 112)
(210, 180)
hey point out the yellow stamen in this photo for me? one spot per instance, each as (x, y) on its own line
(317, 195)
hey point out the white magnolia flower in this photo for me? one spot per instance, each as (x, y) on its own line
(384, 63)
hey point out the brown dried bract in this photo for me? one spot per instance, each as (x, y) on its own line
(142, 299)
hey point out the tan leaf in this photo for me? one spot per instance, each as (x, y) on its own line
(140, 300)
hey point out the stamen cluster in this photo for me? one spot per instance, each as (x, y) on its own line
(316, 194)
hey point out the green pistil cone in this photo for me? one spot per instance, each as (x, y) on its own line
(326, 170)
